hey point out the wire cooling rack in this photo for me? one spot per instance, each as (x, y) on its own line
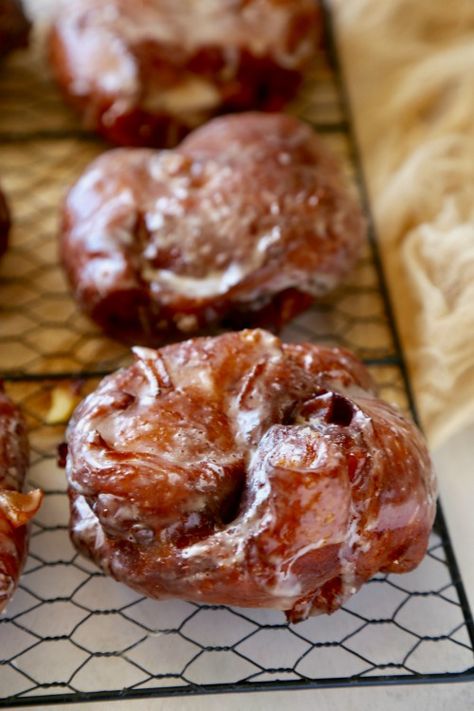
(72, 634)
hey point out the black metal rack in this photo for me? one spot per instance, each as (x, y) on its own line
(98, 638)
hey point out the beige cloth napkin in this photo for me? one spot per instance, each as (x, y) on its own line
(410, 72)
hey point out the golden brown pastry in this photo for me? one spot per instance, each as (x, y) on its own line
(16, 508)
(244, 224)
(241, 470)
(144, 73)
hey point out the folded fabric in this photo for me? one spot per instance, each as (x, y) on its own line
(409, 68)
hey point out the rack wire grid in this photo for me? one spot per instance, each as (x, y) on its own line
(72, 634)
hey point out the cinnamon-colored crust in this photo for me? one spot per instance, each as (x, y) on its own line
(242, 225)
(144, 73)
(14, 26)
(4, 223)
(244, 471)
(16, 508)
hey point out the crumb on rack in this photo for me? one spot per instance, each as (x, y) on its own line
(64, 398)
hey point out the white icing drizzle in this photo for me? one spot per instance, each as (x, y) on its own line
(13, 463)
(196, 234)
(213, 284)
(299, 497)
(101, 36)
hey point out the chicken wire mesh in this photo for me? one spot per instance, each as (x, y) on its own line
(42, 329)
(70, 633)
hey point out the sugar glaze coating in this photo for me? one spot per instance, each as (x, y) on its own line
(244, 471)
(16, 508)
(242, 225)
(144, 73)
